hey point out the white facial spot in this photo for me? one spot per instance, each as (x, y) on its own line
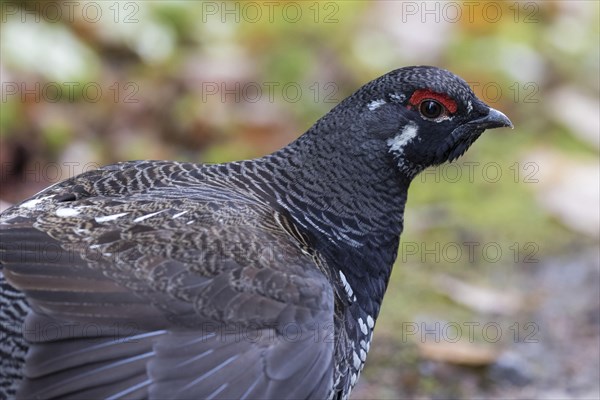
(107, 218)
(347, 287)
(469, 107)
(398, 142)
(143, 217)
(363, 326)
(35, 202)
(370, 321)
(66, 212)
(375, 104)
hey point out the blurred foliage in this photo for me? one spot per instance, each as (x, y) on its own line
(93, 83)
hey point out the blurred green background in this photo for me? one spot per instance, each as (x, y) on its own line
(496, 288)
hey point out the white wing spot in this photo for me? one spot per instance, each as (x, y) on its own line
(370, 321)
(469, 107)
(355, 360)
(179, 214)
(375, 104)
(363, 355)
(143, 217)
(66, 212)
(107, 218)
(35, 202)
(353, 379)
(347, 286)
(398, 142)
(363, 327)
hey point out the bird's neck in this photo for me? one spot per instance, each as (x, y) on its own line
(349, 199)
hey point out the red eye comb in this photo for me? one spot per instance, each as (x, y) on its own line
(421, 94)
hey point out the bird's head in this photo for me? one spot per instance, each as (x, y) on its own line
(425, 116)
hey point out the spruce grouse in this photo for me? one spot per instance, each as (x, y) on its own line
(247, 280)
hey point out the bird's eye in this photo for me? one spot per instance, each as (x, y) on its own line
(431, 109)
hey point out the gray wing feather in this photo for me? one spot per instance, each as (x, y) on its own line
(182, 273)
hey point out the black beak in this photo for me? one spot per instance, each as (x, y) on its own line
(494, 119)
